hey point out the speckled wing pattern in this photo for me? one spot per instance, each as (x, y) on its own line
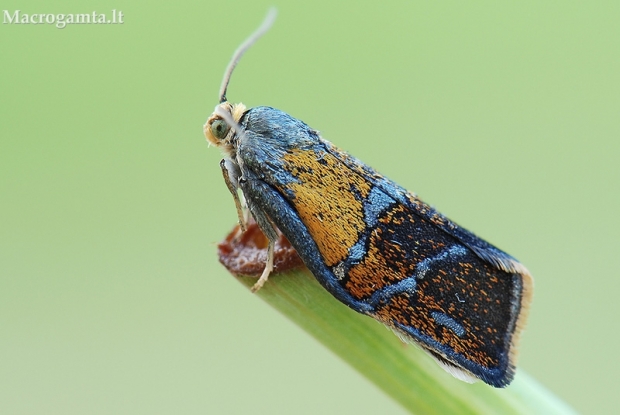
(383, 252)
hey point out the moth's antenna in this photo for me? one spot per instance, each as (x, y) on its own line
(262, 29)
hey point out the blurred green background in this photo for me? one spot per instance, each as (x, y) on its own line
(506, 117)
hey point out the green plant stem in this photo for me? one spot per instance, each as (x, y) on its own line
(402, 371)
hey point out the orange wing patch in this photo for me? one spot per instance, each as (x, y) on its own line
(326, 203)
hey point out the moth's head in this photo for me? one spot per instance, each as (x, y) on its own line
(218, 129)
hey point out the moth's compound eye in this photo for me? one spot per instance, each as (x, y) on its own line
(219, 129)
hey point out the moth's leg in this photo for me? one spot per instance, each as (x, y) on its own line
(265, 225)
(231, 180)
(268, 268)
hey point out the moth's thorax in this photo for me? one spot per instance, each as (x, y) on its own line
(225, 142)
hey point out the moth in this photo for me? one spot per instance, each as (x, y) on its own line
(372, 244)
